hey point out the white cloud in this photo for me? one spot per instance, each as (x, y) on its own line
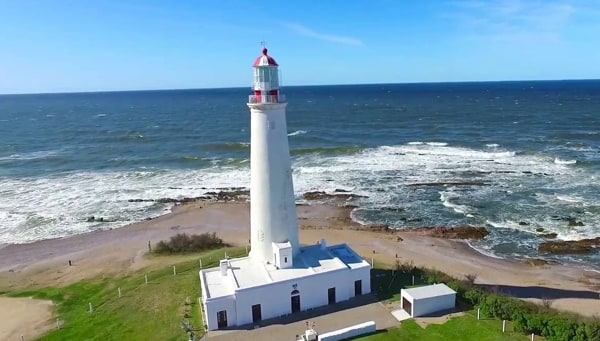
(333, 38)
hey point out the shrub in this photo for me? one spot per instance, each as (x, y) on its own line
(182, 243)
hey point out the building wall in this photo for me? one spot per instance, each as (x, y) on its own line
(433, 304)
(212, 306)
(275, 298)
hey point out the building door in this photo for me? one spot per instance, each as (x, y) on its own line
(256, 313)
(358, 288)
(406, 306)
(331, 295)
(295, 303)
(222, 319)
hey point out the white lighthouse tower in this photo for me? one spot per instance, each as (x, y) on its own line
(273, 221)
(278, 277)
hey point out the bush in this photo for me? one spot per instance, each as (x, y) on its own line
(183, 243)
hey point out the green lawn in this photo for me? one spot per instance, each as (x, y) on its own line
(153, 311)
(464, 328)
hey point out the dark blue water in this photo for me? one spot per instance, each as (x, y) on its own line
(530, 151)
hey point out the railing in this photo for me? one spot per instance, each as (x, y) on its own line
(253, 99)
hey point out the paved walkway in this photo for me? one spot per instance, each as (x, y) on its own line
(326, 319)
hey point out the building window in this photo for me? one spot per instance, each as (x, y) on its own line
(285, 259)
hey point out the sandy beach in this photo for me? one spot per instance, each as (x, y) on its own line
(120, 251)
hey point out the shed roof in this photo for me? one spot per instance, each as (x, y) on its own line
(428, 291)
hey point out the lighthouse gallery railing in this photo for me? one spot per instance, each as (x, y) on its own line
(267, 99)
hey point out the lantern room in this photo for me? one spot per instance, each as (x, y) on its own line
(265, 84)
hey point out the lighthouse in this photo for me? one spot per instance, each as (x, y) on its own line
(278, 277)
(273, 221)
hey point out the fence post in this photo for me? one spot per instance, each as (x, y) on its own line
(57, 323)
(413, 280)
(146, 278)
(91, 308)
(503, 326)
(532, 336)
(200, 261)
(372, 263)
(119, 289)
(477, 314)
(174, 271)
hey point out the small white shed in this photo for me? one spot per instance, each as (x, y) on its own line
(427, 300)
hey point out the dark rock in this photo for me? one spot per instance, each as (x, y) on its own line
(456, 232)
(551, 235)
(523, 223)
(539, 229)
(320, 195)
(574, 222)
(570, 246)
(379, 227)
(536, 261)
(391, 209)
(140, 200)
(337, 190)
(444, 184)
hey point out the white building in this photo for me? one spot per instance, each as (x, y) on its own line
(278, 277)
(427, 300)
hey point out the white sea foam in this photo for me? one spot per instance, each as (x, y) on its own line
(297, 132)
(447, 198)
(484, 251)
(564, 162)
(569, 198)
(492, 145)
(31, 156)
(34, 209)
(437, 144)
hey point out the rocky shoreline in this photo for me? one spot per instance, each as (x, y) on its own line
(345, 198)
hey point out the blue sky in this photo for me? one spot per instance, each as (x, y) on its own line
(73, 45)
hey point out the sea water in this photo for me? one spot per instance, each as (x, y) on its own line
(519, 158)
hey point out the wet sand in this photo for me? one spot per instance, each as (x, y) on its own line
(120, 251)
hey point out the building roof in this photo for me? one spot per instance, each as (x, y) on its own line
(429, 291)
(265, 60)
(246, 273)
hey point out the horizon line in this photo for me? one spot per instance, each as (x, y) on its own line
(298, 85)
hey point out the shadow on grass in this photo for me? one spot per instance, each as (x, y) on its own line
(538, 292)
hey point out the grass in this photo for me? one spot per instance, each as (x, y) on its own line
(464, 328)
(153, 311)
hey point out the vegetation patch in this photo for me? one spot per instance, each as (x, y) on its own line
(166, 308)
(184, 243)
(464, 328)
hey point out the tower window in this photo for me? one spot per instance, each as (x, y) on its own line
(285, 259)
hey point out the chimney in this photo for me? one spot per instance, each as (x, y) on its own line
(223, 264)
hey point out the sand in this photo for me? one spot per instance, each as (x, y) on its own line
(24, 317)
(120, 251)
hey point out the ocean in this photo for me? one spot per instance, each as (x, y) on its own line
(519, 158)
